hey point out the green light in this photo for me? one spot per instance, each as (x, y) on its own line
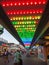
(25, 29)
(27, 46)
(24, 22)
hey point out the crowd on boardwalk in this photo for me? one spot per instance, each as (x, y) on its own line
(16, 56)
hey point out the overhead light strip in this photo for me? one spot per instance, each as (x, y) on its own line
(14, 12)
(8, 4)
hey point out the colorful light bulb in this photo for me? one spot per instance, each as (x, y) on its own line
(19, 3)
(39, 2)
(13, 18)
(35, 17)
(3, 4)
(31, 3)
(7, 4)
(23, 3)
(11, 4)
(27, 3)
(35, 3)
(15, 4)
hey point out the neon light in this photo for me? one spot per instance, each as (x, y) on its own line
(31, 3)
(39, 2)
(25, 31)
(25, 18)
(33, 23)
(7, 4)
(24, 3)
(19, 4)
(11, 4)
(35, 3)
(27, 43)
(25, 39)
(27, 3)
(25, 25)
(15, 4)
(25, 11)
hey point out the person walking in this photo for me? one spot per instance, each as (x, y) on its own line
(5, 56)
(16, 58)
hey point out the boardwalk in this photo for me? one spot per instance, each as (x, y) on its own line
(26, 61)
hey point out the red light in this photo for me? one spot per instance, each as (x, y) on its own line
(11, 4)
(11, 13)
(30, 12)
(7, 4)
(33, 11)
(35, 3)
(19, 3)
(8, 13)
(27, 12)
(17, 12)
(21, 12)
(31, 3)
(24, 12)
(27, 3)
(23, 3)
(15, 4)
(40, 11)
(44, 2)
(39, 2)
(14, 12)
(37, 11)
(3, 4)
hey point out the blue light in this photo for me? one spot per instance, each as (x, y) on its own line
(27, 43)
(26, 39)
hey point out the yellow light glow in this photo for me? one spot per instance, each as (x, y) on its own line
(35, 17)
(25, 18)
(19, 18)
(33, 30)
(23, 26)
(13, 18)
(30, 17)
(34, 25)
(27, 22)
(20, 22)
(15, 26)
(37, 45)
(39, 17)
(35, 22)
(16, 18)
(46, 37)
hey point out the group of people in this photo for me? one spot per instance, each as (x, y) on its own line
(16, 57)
